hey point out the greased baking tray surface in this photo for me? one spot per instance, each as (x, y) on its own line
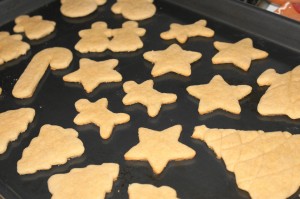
(202, 177)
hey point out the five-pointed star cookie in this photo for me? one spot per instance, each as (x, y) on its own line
(92, 73)
(218, 94)
(145, 94)
(159, 147)
(172, 59)
(182, 32)
(240, 53)
(98, 114)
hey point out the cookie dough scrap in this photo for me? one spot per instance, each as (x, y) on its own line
(148, 191)
(93, 73)
(160, 147)
(12, 124)
(53, 146)
(173, 59)
(79, 8)
(94, 39)
(267, 165)
(145, 94)
(34, 27)
(56, 57)
(282, 97)
(134, 9)
(98, 114)
(240, 53)
(182, 32)
(11, 47)
(218, 94)
(92, 182)
(127, 38)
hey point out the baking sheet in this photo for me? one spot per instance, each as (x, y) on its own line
(202, 177)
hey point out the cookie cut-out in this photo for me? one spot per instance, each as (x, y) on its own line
(134, 9)
(172, 59)
(145, 94)
(98, 114)
(148, 191)
(79, 8)
(11, 47)
(160, 147)
(267, 165)
(127, 38)
(12, 124)
(34, 27)
(57, 58)
(283, 96)
(218, 94)
(182, 32)
(94, 39)
(240, 53)
(53, 146)
(93, 73)
(92, 182)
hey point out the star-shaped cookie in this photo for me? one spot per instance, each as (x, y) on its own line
(92, 73)
(218, 94)
(240, 53)
(98, 114)
(182, 32)
(148, 191)
(172, 59)
(145, 94)
(160, 147)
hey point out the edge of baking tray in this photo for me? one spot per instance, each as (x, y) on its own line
(248, 18)
(10, 9)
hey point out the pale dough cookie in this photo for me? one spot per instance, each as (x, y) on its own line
(127, 38)
(92, 182)
(98, 114)
(283, 96)
(93, 73)
(53, 146)
(34, 27)
(145, 94)
(79, 8)
(160, 147)
(182, 32)
(12, 124)
(57, 58)
(172, 59)
(134, 9)
(148, 191)
(0, 90)
(240, 53)
(267, 165)
(94, 39)
(218, 94)
(11, 47)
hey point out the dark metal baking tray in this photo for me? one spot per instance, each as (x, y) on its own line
(203, 177)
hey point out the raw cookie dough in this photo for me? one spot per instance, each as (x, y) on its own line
(240, 53)
(12, 124)
(172, 59)
(182, 32)
(53, 146)
(148, 191)
(267, 165)
(34, 27)
(145, 94)
(160, 147)
(92, 182)
(218, 94)
(11, 47)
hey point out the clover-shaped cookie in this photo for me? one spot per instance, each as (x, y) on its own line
(34, 27)
(79, 8)
(134, 9)
(11, 47)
